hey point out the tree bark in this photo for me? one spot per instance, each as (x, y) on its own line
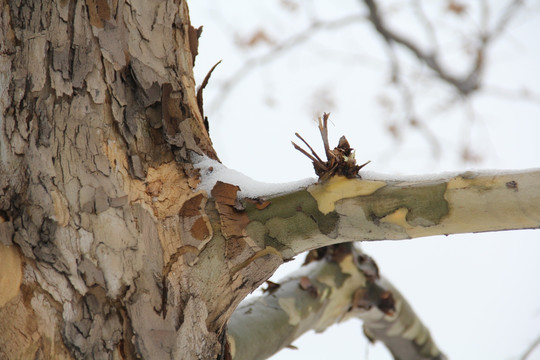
(109, 248)
(101, 226)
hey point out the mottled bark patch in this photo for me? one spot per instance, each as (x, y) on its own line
(406, 202)
(286, 215)
(338, 188)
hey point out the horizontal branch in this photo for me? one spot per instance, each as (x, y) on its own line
(342, 285)
(342, 209)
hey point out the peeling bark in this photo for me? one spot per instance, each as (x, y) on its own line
(342, 284)
(103, 235)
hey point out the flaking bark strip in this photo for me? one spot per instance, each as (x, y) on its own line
(233, 222)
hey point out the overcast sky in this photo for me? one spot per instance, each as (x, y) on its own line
(478, 294)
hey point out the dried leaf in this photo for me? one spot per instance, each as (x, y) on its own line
(456, 8)
(258, 37)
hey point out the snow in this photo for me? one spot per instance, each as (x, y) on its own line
(213, 171)
(445, 175)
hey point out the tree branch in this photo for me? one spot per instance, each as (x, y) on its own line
(342, 209)
(343, 284)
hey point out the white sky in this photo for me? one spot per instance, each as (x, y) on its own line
(478, 294)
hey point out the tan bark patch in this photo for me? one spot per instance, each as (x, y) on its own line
(193, 217)
(398, 217)
(10, 273)
(98, 10)
(61, 211)
(338, 188)
(154, 188)
(165, 188)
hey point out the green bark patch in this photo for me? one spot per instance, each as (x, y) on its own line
(425, 203)
(294, 207)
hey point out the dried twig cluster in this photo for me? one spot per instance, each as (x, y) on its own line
(340, 161)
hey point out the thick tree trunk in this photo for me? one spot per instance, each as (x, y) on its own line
(102, 231)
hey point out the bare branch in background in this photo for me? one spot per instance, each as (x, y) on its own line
(426, 23)
(464, 85)
(411, 117)
(507, 15)
(292, 42)
(530, 350)
(409, 113)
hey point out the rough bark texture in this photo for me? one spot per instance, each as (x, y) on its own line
(105, 243)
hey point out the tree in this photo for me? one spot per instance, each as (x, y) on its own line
(121, 236)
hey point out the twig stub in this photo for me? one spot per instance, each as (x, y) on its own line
(340, 161)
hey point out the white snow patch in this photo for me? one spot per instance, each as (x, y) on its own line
(213, 171)
(468, 174)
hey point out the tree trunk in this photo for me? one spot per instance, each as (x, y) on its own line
(105, 242)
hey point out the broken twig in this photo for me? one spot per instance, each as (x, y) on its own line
(340, 161)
